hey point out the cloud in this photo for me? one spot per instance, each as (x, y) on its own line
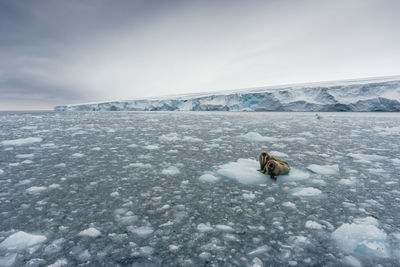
(54, 52)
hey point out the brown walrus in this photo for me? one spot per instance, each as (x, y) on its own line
(275, 168)
(265, 157)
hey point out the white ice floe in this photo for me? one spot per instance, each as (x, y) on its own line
(260, 250)
(60, 165)
(202, 227)
(1, 172)
(172, 170)
(142, 231)
(133, 145)
(208, 178)
(36, 189)
(77, 155)
(21, 141)
(313, 225)
(91, 232)
(324, 169)
(225, 228)
(59, 263)
(253, 136)
(24, 156)
(307, 192)
(289, 204)
(352, 261)
(171, 137)
(21, 240)
(362, 237)
(249, 196)
(191, 139)
(245, 171)
(8, 260)
(151, 147)
(140, 165)
(96, 148)
(366, 157)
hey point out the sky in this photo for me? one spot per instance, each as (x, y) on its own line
(64, 52)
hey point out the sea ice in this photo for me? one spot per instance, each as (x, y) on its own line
(367, 157)
(1, 172)
(24, 156)
(91, 232)
(225, 228)
(77, 155)
(8, 259)
(140, 165)
(191, 139)
(22, 141)
(151, 147)
(21, 240)
(324, 169)
(278, 154)
(142, 231)
(253, 136)
(171, 137)
(313, 225)
(362, 237)
(204, 227)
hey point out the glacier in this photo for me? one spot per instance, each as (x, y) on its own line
(362, 95)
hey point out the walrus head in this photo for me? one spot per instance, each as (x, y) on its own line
(265, 155)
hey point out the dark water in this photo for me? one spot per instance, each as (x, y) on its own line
(134, 177)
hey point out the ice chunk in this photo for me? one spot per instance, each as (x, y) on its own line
(253, 136)
(22, 141)
(313, 225)
(208, 178)
(140, 165)
(8, 259)
(191, 139)
(278, 154)
(21, 240)
(142, 231)
(151, 147)
(36, 189)
(24, 156)
(324, 169)
(1, 172)
(59, 263)
(245, 171)
(77, 155)
(91, 232)
(172, 170)
(289, 205)
(260, 250)
(362, 237)
(249, 196)
(307, 192)
(352, 261)
(225, 228)
(204, 227)
(367, 157)
(171, 137)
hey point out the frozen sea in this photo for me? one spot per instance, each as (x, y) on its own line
(182, 189)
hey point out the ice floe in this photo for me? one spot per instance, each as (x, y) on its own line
(21, 240)
(362, 237)
(208, 178)
(324, 169)
(91, 232)
(36, 189)
(307, 192)
(21, 141)
(172, 170)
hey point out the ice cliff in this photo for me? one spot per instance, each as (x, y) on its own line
(374, 94)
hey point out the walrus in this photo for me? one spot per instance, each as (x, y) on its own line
(264, 158)
(275, 168)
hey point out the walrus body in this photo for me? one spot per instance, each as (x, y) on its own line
(272, 165)
(265, 157)
(275, 168)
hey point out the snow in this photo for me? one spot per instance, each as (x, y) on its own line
(362, 237)
(21, 240)
(90, 232)
(324, 169)
(21, 141)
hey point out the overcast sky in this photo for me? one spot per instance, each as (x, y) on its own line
(57, 52)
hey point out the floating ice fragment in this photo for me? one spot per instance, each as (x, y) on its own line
(77, 155)
(140, 165)
(24, 156)
(142, 231)
(324, 169)
(260, 250)
(8, 259)
(192, 139)
(171, 137)
(21, 240)
(225, 228)
(204, 227)
(1, 172)
(362, 237)
(289, 205)
(366, 157)
(36, 189)
(208, 178)
(172, 170)
(253, 136)
(307, 192)
(278, 154)
(22, 141)
(151, 147)
(313, 225)
(59, 263)
(91, 232)
(249, 196)
(352, 261)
